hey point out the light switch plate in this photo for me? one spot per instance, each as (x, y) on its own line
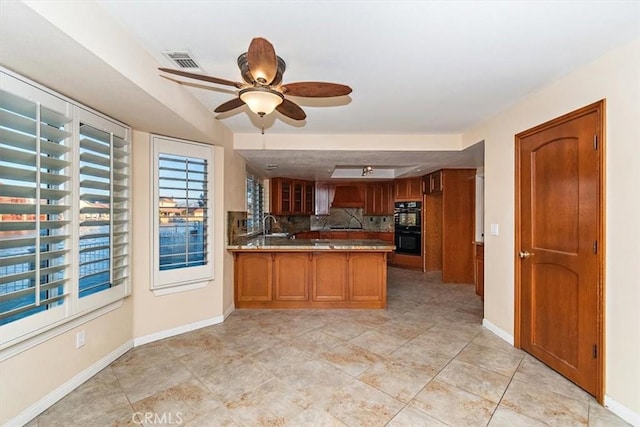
(494, 230)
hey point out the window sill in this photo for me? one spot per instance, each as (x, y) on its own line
(174, 289)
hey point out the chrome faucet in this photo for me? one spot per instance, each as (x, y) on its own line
(264, 222)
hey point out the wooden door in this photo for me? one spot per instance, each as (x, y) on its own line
(559, 239)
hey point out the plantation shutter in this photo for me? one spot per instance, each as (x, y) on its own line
(35, 145)
(103, 243)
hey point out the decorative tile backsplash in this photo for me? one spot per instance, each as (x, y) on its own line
(351, 218)
(337, 218)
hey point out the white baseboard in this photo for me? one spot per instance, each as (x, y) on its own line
(617, 408)
(43, 404)
(622, 411)
(499, 332)
(179, 330)
(66, 388)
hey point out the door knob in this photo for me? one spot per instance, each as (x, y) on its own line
(525, 254)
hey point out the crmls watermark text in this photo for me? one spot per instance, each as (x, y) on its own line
(164, 418)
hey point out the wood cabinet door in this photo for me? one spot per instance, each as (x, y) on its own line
(291, 277)
(254, 281)
(370, 198)
(400, 189)
(408, 188)
(366, 276)
(458, 221)
(436, 182)
(387, 201)
(342, 235)
(309, 199)
(285, 192)
(357, 235)
(298, 197)
(329, 276)
(414, 188)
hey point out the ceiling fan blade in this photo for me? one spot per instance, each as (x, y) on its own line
(229, 105)
(291, 110)
(316, 89)
(201, 77)
(262, 60)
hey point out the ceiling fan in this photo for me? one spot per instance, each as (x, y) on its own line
(262, 89)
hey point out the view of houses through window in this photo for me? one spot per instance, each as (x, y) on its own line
(182, 211)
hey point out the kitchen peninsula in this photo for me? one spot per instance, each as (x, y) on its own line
(277, 272)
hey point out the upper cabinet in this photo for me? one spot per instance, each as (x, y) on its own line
(434, 182)
(379, 198)
(408, 188)
(291, 197)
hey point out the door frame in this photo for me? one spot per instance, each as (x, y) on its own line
(599, 108)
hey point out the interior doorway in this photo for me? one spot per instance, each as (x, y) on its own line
(559, 263)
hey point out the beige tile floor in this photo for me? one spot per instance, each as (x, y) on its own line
(425, 361)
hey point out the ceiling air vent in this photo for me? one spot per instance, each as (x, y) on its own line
(182, 59)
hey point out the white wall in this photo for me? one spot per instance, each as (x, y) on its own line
(34, 374)
(615, 77)
(154, 315)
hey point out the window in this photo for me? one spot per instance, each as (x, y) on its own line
(183, 220)
(255, 204)
(62, 252)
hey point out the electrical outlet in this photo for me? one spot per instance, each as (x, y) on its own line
(80, 339)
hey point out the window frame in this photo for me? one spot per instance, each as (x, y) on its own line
(37, 327)
(187, 278)
(256, 227)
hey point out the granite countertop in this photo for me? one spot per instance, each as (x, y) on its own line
(270, 244)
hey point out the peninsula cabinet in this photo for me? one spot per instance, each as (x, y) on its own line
(292, 197)
(408, 188)
(310, 279)
(449, 226)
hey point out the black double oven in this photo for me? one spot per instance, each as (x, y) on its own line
(408, 228)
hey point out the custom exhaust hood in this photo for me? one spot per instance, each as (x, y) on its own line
(348, 196)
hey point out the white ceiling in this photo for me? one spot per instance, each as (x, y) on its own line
(416, 67)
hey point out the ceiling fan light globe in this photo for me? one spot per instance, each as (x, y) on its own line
(260, 100)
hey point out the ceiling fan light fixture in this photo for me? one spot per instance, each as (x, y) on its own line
(261, 100)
